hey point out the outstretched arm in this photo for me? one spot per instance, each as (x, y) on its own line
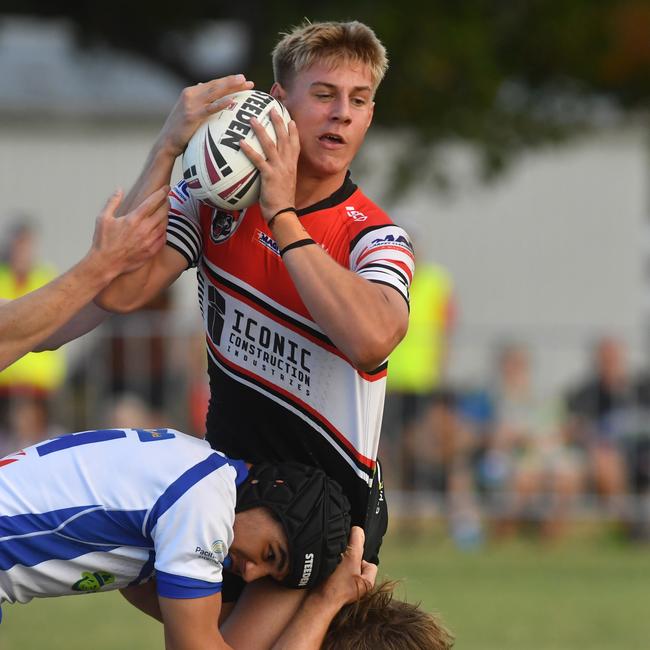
(86, 320)
(119, 245)
(195, 104)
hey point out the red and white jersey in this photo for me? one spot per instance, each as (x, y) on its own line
(280, 389)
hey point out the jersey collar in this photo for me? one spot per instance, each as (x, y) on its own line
(344, 192)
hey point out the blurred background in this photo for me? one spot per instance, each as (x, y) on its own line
(512, 141)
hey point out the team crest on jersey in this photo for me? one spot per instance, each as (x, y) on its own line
(223, 224)
(93, 581)
(267, 241)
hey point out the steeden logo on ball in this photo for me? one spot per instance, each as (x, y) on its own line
(215, 168)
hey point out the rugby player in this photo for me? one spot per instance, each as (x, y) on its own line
(159, 515)
(304, 295)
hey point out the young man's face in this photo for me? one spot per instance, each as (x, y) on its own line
(332, 108)
(259, 547)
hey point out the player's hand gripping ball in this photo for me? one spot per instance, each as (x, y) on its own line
(215, 169)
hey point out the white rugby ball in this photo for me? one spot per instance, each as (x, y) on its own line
(215, 168)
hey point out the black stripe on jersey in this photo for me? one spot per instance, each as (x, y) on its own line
(201, 290)
(365, 231)
(186, 231)
(391, 269)
(394, 288)
(344, 192)
(273, 310)
(190, 262)
(333, 438)
(378, 369)
(187, 225)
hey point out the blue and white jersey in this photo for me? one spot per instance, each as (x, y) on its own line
(101, 510)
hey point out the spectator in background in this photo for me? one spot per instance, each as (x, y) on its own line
(527, 464)
(29, 423)
(36, 376)
(605, 419)
(417, 369)
(441, 447)
(131, 409)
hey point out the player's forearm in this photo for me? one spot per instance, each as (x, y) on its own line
(354, 313)
(309, 626)
(156, 172)
(27, 321)
(128, 292)
(85, 320)
(144, 598)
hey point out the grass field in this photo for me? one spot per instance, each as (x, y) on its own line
(585, 595)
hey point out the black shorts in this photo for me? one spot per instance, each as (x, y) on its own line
(375, 528)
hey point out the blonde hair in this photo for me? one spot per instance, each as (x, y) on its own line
(380, 621)
(332, 43)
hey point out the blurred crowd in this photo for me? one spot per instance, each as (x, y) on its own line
(135, 370)
(502, 458)
(498, 458)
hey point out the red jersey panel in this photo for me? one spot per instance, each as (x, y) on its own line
(279, 388)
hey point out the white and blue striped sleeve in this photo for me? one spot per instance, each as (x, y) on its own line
(192, 528)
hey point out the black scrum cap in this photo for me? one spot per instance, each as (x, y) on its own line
(313, 511)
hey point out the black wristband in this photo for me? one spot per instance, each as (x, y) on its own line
(289, 209)
(296, 244)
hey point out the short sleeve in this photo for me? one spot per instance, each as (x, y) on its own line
(384, 254)
(193, 534)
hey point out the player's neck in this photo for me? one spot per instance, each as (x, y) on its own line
(312, 189)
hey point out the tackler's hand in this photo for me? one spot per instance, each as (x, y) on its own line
(123, 244)
(353, 577)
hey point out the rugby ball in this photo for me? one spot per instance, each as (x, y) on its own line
(215, 169)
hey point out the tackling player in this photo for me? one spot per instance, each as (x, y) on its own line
(159, 514)
(304, 295)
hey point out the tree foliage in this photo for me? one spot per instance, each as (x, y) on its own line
(502, 75)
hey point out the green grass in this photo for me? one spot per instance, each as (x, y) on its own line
(585, 595)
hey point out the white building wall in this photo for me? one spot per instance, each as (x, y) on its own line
(552, 253)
